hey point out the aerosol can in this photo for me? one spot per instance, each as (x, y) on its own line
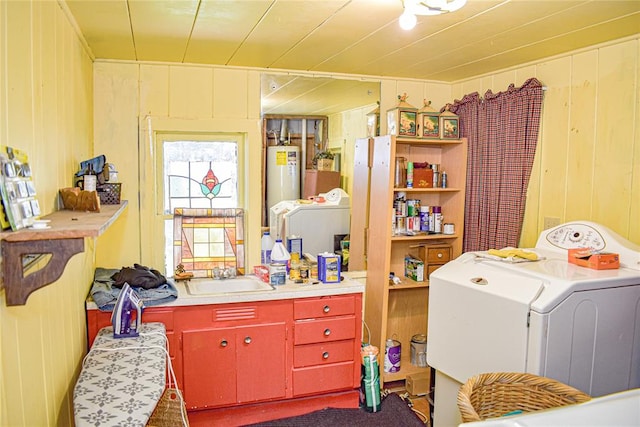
(127, 313)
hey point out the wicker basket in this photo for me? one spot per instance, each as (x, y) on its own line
(170, 411)
(496, 394)
(109, 193)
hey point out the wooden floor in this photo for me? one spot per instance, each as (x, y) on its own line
(420, 404)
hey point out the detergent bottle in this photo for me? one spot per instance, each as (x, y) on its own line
(280, 255)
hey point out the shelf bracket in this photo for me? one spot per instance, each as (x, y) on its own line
(17, 286)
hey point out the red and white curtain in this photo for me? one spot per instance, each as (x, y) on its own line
(502, 133)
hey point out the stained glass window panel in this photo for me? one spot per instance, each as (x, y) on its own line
(200, 174)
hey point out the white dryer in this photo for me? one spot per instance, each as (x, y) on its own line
(548, 317)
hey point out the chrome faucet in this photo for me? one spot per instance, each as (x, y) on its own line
(225, 273)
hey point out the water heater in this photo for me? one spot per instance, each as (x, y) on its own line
(283, 173)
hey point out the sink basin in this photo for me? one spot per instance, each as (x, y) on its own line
(226, 286)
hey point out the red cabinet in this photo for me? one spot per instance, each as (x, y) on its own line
(235, 353)
(225, 366)
(227, 355)
(327, 337)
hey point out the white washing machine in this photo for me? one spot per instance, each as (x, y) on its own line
(547, 317)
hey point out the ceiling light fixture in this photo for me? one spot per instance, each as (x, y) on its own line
(412, 8)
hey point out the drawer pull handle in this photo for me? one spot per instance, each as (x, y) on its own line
(440, 255)
(326, 309)
(223, 343)
(325, 355)
(327, 332)
(247, 340)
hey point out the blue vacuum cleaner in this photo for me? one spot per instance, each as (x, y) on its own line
(127, 313)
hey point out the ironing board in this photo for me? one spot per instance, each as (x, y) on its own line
(121, 379)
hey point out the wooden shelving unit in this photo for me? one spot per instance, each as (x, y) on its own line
(63, 239)
(401, 311)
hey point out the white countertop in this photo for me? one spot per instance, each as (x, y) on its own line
(290, 290)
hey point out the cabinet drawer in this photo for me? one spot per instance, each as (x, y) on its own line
(438, 255)
(317, 331)
(318, 379)
(313, 308)
(323, 353)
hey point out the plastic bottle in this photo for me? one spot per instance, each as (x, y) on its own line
(410, 175)
(280, 254)
(267, 247)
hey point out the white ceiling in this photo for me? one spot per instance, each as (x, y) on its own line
(353, 37)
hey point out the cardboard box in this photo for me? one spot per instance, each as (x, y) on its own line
(414, 268)
(423, 178)
(419, 383)
(586, 257)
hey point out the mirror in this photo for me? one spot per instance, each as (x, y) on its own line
(335, 114)
(301, 95)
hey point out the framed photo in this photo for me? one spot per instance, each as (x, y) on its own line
(430, 126)
(450, 128)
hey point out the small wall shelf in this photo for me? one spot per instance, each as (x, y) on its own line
(63, 239)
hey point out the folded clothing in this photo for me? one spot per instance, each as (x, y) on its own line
(138, 276)
(105, 294)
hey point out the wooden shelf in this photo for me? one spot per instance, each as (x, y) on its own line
(406, 368)
(426, 141)
(63, 239)
(69, 224)
(407, 283)
(426, 190)
(439, 236)
(401, 311)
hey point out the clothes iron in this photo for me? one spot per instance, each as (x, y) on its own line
(127, 313)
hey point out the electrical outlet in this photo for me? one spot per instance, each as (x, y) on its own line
(550, 222)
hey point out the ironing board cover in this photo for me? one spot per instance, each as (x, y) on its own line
(121, 379)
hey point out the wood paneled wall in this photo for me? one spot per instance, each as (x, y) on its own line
(587, 164)
(135, 101)
(46, 107)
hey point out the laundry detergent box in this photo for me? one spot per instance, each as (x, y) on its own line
(329, 267)
(414, 268)
(586, 257)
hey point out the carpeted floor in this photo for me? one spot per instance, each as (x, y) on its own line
(393, 412)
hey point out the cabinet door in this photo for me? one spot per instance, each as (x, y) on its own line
(261, 362)
(209, 367)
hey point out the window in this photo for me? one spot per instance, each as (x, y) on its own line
(199, 174)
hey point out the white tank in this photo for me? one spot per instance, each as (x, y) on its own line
(283, 173)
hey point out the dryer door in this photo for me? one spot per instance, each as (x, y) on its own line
(478, 317)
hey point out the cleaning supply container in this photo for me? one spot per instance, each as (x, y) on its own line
(280, 254)
(266, 248)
